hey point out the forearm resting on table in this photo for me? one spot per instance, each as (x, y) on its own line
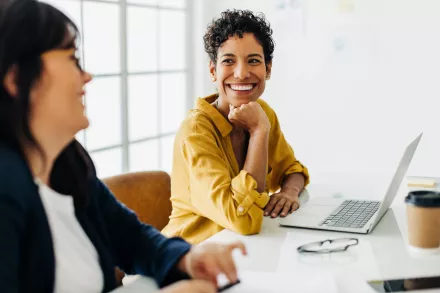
(293, 183)
(256, 158)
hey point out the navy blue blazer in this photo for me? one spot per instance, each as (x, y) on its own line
(27, 261)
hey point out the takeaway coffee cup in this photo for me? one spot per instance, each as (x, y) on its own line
(423, 211)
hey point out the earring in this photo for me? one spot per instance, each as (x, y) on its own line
(213, 78)
(268, 77)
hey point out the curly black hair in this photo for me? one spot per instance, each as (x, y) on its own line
(237, 22)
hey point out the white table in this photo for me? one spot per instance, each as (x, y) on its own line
(380, 255)
(383, 254)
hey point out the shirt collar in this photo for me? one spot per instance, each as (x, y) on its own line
(222, 124)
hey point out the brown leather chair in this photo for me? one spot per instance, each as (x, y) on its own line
(147, 194)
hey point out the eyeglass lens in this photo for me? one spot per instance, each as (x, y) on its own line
(333, 245)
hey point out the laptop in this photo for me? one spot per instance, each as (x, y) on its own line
(350, 215)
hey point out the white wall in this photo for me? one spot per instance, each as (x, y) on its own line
(351, 86)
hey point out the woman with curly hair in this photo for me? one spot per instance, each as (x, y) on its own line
(229, 152)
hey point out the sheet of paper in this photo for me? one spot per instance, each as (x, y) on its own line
(283, 282)
(359, 258)
(353, 282)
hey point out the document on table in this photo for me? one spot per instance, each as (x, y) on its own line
(359, 258)
(283, 282)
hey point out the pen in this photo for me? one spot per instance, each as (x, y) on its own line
(227, 286)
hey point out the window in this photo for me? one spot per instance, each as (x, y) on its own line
(136, 52)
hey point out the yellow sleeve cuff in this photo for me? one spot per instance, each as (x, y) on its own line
(245, 193)
(298, 168)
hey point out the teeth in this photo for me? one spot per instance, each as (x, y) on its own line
(241, 87)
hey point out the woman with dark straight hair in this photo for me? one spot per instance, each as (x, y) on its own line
(61, 228)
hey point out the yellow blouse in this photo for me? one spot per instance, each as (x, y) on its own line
(209, 192)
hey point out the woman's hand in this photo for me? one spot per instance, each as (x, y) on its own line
(193, 286)
(287, 200)
(207, 261)
(250, 117)
(282, 203)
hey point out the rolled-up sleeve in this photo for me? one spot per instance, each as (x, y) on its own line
(231, 202)
(244, 190)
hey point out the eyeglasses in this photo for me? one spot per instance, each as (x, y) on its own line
(329, 245)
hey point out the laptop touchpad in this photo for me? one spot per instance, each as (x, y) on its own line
(312, 213)
(319, 206)
(315, 210)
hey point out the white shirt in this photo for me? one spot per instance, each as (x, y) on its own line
(77, 267)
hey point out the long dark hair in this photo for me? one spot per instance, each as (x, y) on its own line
(29, 28)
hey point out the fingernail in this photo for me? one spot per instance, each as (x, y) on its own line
(274, 215)
(266, 214)
(283, 215)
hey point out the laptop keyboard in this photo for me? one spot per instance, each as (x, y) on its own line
(351, 214)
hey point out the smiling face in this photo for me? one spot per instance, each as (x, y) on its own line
(57, 98)
(240, 71)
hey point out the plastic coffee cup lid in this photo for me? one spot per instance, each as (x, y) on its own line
(423, 198)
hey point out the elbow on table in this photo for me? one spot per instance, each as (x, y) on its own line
(249, 225)
(247, 231)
